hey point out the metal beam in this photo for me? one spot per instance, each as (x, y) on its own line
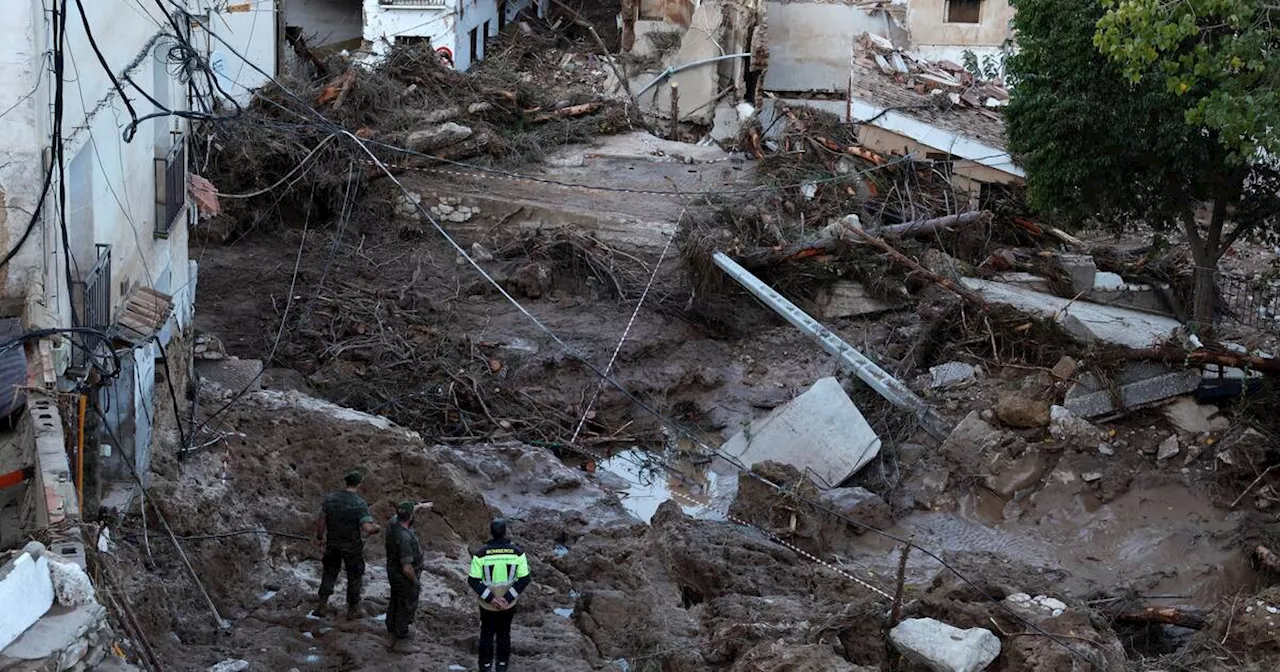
(866, 370)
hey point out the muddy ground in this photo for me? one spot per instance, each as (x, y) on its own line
(379, 316)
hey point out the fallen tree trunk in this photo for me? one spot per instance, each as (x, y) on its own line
(1186, 618)
(769, 256)
(450, 113)
(921, 226)
(946, 283)
(567, 112)
(1174, 354)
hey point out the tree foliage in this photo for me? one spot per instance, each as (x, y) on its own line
(1223, 56)
(1102, 147)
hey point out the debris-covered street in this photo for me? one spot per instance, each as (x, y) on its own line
(766, 359)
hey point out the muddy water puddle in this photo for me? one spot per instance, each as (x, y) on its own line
(693, 486)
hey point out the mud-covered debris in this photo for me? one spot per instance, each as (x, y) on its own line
(1066, 427)
(944, 648)
(1168, 448)
(951, 374)
(231, 665)
(971, 438)
(1016, 409)
(1042, 603)
(1066, 368)
(1011, 476)
(434, 137)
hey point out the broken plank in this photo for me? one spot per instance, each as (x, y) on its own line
(1186, 618)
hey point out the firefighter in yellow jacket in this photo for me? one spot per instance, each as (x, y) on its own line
(499, 574)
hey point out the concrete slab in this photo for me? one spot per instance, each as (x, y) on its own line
(59, 629)
(1093, 404)
(26, 591)
(846, 298)
(1027, 280)
(1089, 321)
(637, 145)
(819, 432)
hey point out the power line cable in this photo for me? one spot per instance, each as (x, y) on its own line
(571, 352)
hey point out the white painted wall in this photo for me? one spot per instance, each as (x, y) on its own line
(250, 31)
(447, 26)
(26, 591)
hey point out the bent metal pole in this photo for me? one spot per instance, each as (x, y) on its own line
(866, 370)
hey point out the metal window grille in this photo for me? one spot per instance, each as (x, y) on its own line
(93, 308)
(411, 3)
(1249, 302)
(171, 187)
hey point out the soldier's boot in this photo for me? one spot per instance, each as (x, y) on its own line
(355, 612)
(486, 667)
(322, 608)
(500, 667)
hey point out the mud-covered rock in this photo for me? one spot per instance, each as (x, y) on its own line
(809, 528)
(1020, 410)
(1254, 624)
(1010, 476)
(972, 437)
(531, 280)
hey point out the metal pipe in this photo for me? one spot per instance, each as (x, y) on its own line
(866, 370)
(681, 68)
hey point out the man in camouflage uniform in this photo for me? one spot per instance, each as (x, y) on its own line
(344, 521)
(404, 573)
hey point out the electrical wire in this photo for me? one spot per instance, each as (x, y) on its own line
(574, 354)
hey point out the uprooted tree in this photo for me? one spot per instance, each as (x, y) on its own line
(1101, 148)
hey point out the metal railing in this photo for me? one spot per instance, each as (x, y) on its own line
(171, 187)
(92, 308)
(412, 3)
(1249, 302)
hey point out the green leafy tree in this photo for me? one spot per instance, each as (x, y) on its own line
(1101, 148)
(1223, 56)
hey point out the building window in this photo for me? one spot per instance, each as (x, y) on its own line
(473, 55)
(502, 16)
(486, 29)
(964, 11)
(171, 187)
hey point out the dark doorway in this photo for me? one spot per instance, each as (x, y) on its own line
(502, 16)
(472, 56)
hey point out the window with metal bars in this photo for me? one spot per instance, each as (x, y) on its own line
(171, 187)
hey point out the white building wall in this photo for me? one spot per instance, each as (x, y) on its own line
(250, 28)
(447, 26)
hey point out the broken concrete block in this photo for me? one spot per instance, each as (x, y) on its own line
(1088, 404)
(945, 648)
(726, 124)
(1016, 409)
(1065, 369)
(820, 432)
(970, 439)
(1107, 281)
(846, 298)
(230, 665)
(70, 584)
(1066, 427)
(232, 374)
(1084, 320)
(435, 137)
(951, 374)
(1168, 448)
(1194, 418)
(26, 590)
(1082, 271)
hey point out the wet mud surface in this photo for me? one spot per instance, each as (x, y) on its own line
(625, 574)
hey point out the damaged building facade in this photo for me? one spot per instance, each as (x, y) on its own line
(96, 286)
(456, 29)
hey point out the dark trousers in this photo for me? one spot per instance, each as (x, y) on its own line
(335, 559)
(404, 603)
(495, 627)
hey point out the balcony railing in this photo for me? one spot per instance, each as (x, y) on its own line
(92, 306)
(171, 187)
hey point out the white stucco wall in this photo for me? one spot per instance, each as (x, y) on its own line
(250, 27)
(110, 183)
(448, 26)
(21, 138)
